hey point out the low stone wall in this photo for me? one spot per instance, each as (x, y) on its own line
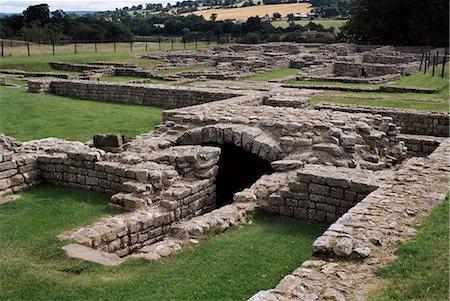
(364, 70)
(18, 172)
(152, 95)
(36, 74)
(397, 89)
(420, 146)
(321, 193)
(411, 121)
(347, 257)
(286, 101)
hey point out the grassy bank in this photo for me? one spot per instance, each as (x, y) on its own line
(28, 116)
(231, 266)
(40, 63)
(421, 271)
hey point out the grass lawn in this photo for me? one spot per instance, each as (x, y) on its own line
(271, 75)
(28, 116)
(330, 84)
(40, 63)
(396, 100)
(390, 103)
(421, 80)
(231, 266)
(327, 23)
(421, 271)
(188, 69)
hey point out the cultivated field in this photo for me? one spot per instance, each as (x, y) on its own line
(243, 13)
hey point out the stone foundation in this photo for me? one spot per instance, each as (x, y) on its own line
(411, 121)
(150, 95)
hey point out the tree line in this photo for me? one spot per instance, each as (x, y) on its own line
(397, 22)
(39, 24)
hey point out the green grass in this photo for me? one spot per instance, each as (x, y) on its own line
(421, 80)
(421, 271)
(327, 23)
(419, 101)
(389, 103)
(28, 116)
(398, 95)
(231, 266)
(330, 84)
(118, 79)
(188, 69)
(271, 75)
(40, 63)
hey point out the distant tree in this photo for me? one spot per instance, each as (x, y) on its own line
(402, 22)
(291, 19)
(251, 38)
(276, 15)
(213, 17)
(37, 13)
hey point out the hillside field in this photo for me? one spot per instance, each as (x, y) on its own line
(243, 13)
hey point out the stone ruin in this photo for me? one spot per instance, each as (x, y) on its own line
(369, 173)
(337, 62)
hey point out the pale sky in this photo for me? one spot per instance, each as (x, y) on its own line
(17, 6)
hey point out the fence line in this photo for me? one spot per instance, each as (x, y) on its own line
(16, 47)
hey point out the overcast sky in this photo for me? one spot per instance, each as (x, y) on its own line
(17, 6)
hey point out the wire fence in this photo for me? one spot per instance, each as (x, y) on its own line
(25, 48)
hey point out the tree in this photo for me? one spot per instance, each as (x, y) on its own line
(400, 22)
(276, 15)
(37, 13)
(213, 17)
(291, 19)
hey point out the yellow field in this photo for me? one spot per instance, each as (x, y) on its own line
(243, 13)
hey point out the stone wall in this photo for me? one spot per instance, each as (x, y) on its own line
(411, 121)
(347, 257)
(151, 95)
(420, 146)
(287, 101)
(18, 172)
(321, 193)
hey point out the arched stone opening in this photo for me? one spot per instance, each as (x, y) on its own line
(238, 169)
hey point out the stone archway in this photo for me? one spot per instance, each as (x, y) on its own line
(246, 153)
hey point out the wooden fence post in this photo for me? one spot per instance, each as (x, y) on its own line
(443, 62)
(28, 48)
(131, 46)
(95, 47)
(53, 47)
(3, 51)
(114, 46)
(434, 63)
(75, 45)
(421, 61)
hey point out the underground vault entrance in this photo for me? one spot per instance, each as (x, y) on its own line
(238, 169)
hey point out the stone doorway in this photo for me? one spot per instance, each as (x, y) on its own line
(238, 169)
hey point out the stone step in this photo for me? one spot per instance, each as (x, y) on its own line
(129, 201)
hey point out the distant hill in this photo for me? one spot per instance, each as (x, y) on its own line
(2, 15)
(75, 12)
(81, 12)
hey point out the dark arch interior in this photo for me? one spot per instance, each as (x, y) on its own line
(238, 169)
